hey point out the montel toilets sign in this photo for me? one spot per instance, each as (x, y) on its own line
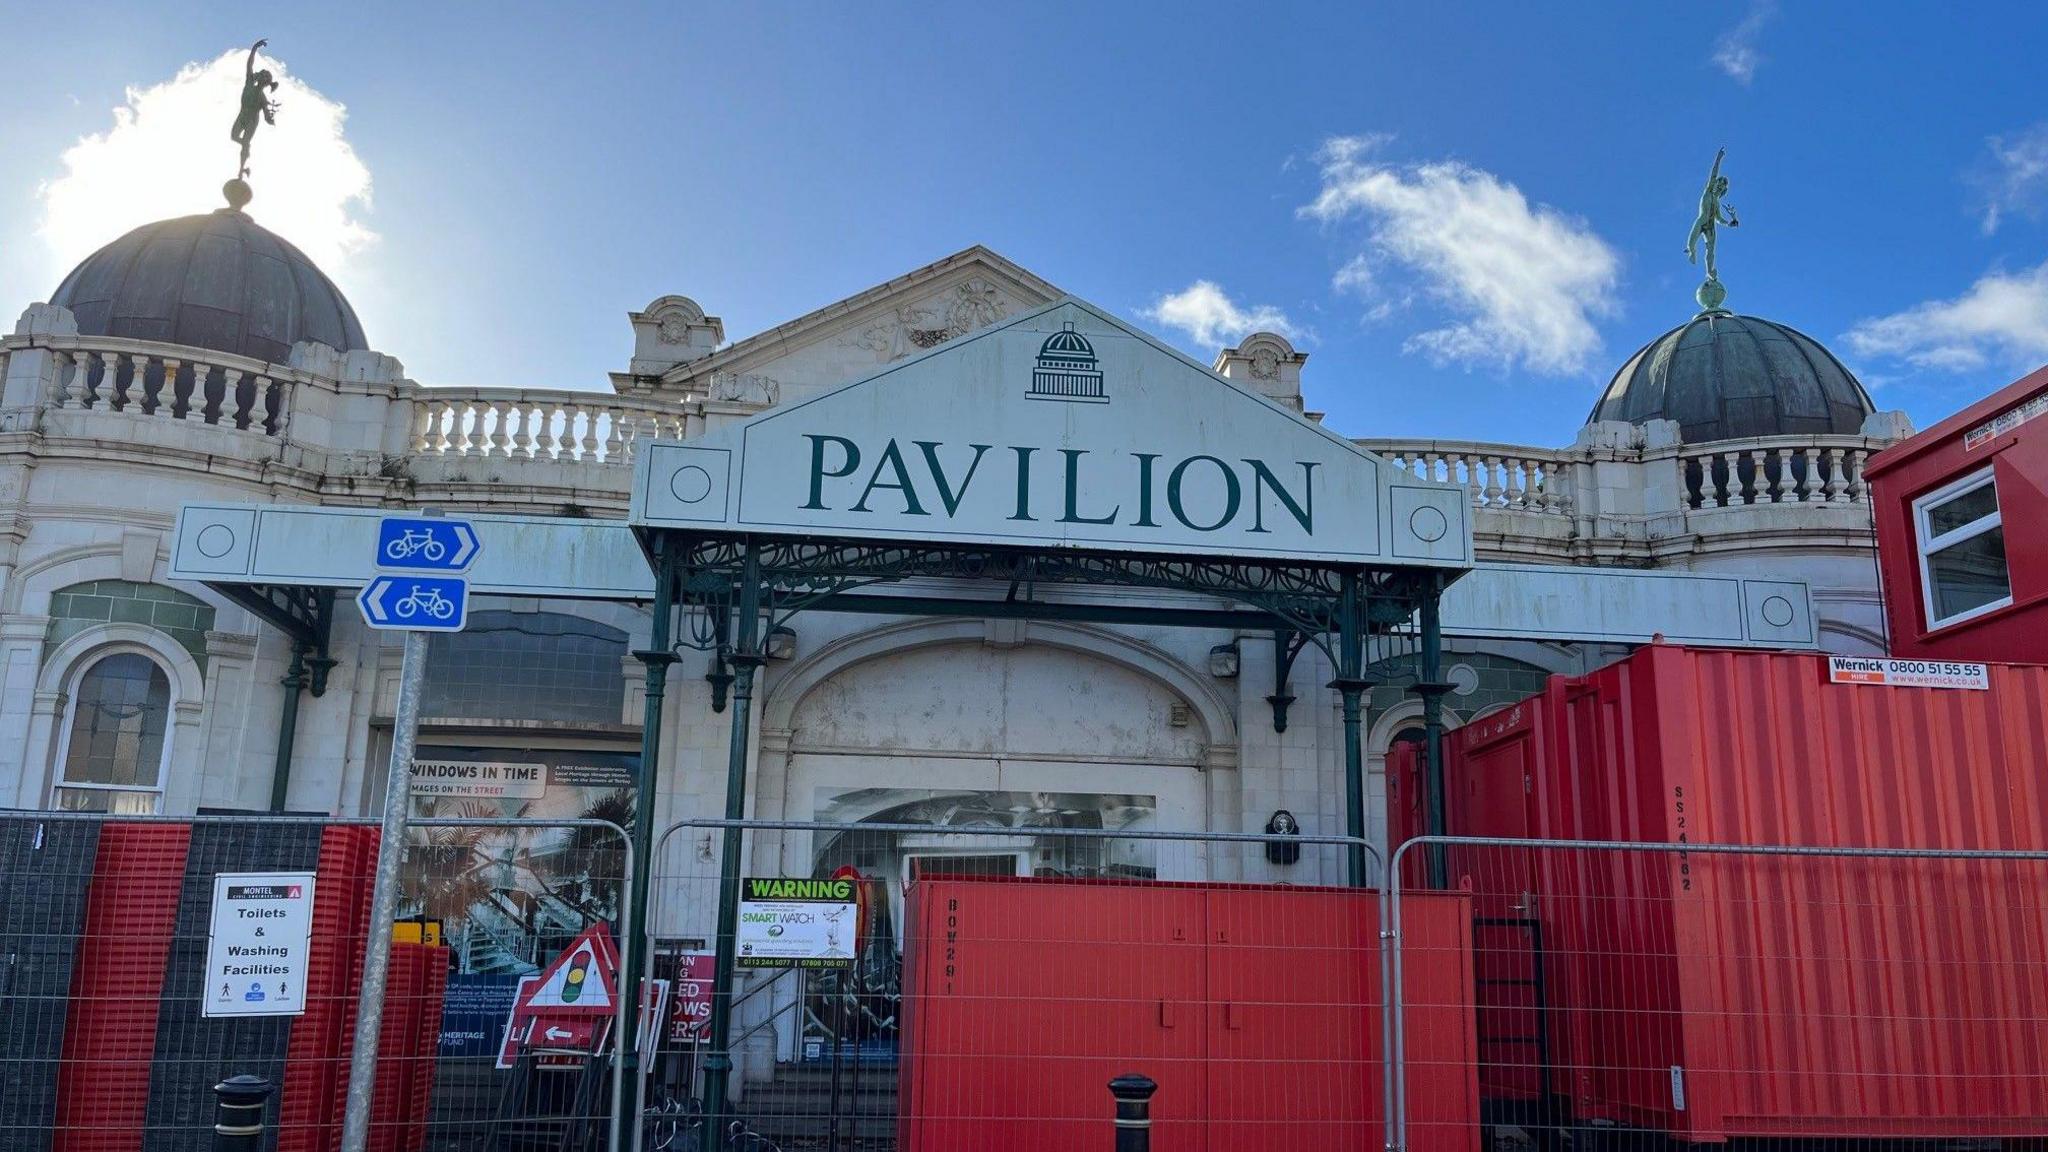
(1060, 427)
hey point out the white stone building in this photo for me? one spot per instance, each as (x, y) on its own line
(204, 359)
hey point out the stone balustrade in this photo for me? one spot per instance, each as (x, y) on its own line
(145, 378)
(1503, 476)
(331, 403)
(1777, 470)
(527, 423)
(1618, 495)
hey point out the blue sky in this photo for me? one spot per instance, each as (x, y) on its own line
(1504, 190)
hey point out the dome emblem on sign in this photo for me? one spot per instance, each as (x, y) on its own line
(1066, 369)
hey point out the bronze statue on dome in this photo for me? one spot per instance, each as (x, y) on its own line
(1714, 211)
(257, 109)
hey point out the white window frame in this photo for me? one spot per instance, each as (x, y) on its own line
(163, 768)
(1927, 543)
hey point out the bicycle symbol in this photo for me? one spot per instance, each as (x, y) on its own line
(415, 542)
(423, 599)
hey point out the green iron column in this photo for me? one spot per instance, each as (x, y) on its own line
(1351, 685)
(657, 657)
(746, 661)
(1431, 687)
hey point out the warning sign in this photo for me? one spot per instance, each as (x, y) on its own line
(788, 922)
(257, 944)
(579, 982)
(1908, 673)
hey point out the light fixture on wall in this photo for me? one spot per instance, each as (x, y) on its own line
(781, 644)
(1223, 661)
(1283, 823)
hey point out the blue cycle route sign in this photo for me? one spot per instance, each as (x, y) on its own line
(424, 544)
(421, 589)
(415, 603)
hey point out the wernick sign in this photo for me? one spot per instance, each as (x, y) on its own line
(1059, 427)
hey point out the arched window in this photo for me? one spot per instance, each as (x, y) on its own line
(116, 740)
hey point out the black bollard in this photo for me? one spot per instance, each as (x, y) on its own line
(238, 1114)
(1133, 1094)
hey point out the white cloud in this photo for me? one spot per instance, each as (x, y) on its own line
(2017, 178)
(1736, 52)
(1522, 282)
(168, 153)
(2002, 321)
(1212, 319)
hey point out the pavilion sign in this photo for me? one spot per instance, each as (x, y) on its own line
(1060, 427)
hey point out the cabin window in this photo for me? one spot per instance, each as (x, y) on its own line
(1962, 550)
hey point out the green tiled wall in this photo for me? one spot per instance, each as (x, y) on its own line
(82, 606)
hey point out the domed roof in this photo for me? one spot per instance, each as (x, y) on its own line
(218, 281)
(1727, 377)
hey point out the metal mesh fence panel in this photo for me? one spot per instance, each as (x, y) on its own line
(978, 987)
(144, 960)
(1636, 993)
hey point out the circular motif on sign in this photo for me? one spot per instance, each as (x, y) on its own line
(1428, 524)
(1777, 611)
(1463, 679)
(215, 540)
(690, 484)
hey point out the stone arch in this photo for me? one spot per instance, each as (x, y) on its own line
(1862, 641)
(1219, 723)
(60, 673)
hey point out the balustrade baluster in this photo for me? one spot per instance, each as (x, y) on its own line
(422, 425)
(522, 440)
(1493, 485)
(588, 444)
(467, 422)
(438, 413)
(1809, 488)
(501, 440)
(77, 390)
(1838, 484)
(276, 396)
(1859, 488)
(615, 436)
(231, 412)
(1516, 489)
(1710, 489)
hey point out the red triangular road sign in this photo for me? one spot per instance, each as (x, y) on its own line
(582, 981)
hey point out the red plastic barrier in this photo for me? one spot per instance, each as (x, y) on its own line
(316, 1058)
(116, 985)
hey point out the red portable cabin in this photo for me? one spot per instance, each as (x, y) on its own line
(1716, 997)
(1960, 512)
(1256, 1009)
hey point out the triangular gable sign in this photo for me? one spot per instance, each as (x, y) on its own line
(1060, 428)
(580, 981)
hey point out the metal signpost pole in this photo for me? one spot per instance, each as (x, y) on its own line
(746, 658)
(362, 1073)
(417, 604)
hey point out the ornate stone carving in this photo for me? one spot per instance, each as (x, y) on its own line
(1265, 363)
(748, 389)
(974, 304)
(674, 329)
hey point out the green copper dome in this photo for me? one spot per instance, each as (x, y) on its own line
(1727, 377)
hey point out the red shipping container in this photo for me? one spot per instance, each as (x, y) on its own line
(1256, 1010)
(1715, 996)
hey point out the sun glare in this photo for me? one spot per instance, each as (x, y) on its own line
(167, 154)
